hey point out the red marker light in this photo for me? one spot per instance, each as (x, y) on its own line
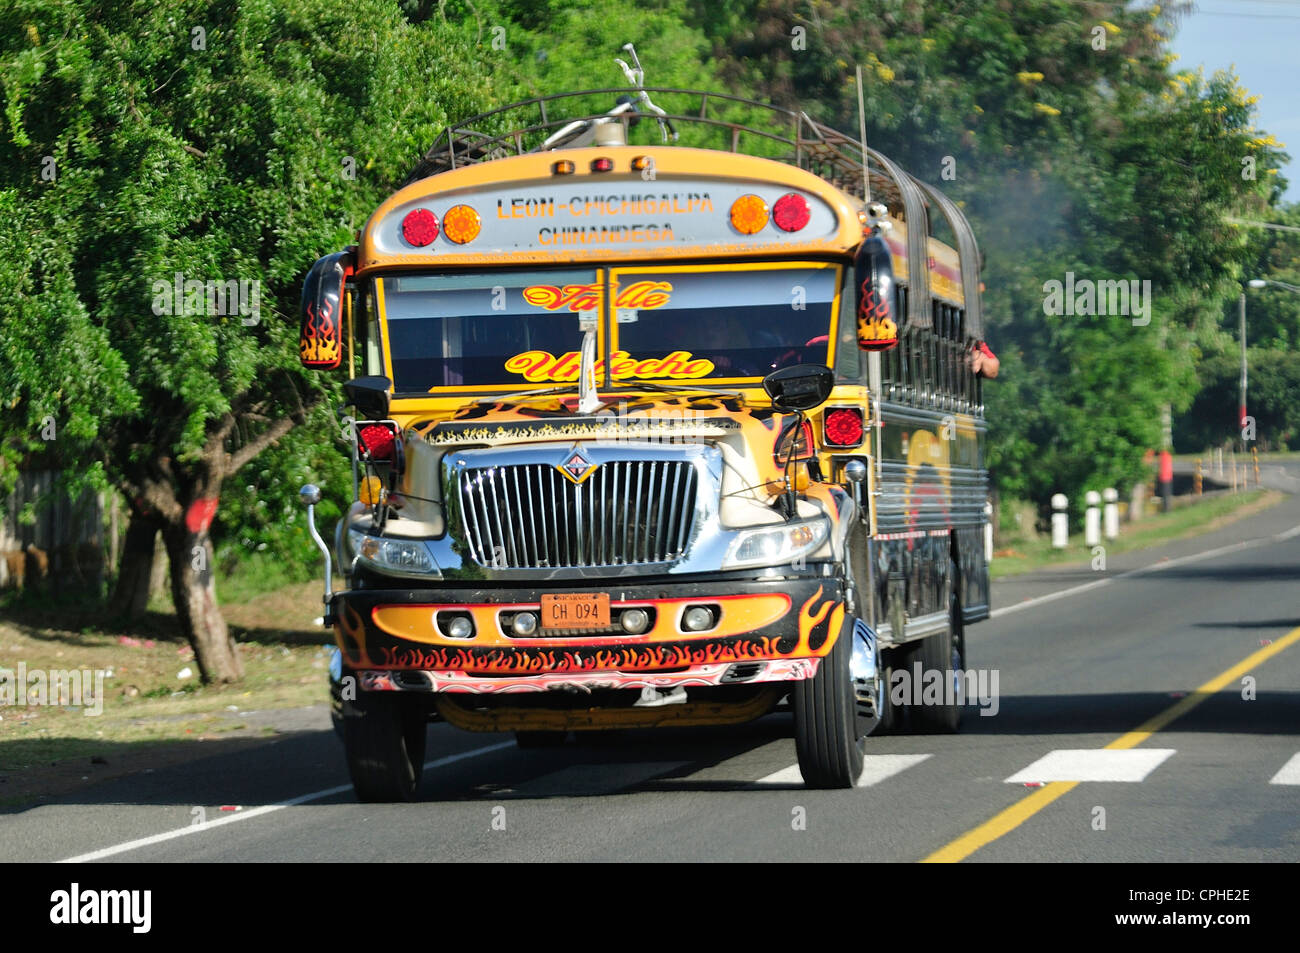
(602, 165)
(378, 440)
(843, 427)
(791, 212)
(420, 227)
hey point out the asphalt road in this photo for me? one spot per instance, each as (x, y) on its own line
(1084, 660)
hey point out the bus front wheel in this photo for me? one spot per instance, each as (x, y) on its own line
(826, 724)
(384, 739)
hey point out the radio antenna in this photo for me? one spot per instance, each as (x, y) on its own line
(862, 138)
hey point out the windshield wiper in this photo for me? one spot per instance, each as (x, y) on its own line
(546, 392)
(649, 385)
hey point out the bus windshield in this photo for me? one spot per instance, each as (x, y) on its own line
(740, 322)
(525, 328)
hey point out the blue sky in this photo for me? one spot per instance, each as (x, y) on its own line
(1260, 39)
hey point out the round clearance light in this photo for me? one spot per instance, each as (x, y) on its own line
(634, 621)
(459, 627)
(791, 212)
(748, 214)
(697, 619)
(461, 224)
(843, 427)
(524, 623)
(420, 227)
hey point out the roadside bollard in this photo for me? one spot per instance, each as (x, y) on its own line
(988, 532)
(1254, 454)
(1166, 480)
(1110, 514)
(1092, 519)
(1196, 480)
(1060, 521)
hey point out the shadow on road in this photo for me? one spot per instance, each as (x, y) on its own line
(247, 773)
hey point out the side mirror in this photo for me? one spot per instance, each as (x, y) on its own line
(320, 338)
(369, 395)
(799, 387)
(873, 273)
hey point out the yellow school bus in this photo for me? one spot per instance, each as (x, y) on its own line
(651, 435)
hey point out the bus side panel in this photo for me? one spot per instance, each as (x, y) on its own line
(931, 492)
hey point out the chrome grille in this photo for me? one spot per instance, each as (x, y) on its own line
(530, 516)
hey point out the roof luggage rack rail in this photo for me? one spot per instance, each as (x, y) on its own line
(787, 135)
(522, 127)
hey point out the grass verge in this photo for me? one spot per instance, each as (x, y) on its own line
(1191, 520)
(151, 692)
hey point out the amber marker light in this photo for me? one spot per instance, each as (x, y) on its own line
(370, 491)
(563, 167)
(461, 224)
(748, 214)
(641, 163)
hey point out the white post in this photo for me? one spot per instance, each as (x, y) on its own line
(1110, 516)
(1092, 519)
(1060, 521)
(988, 532)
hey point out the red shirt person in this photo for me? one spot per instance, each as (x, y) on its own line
(983, 361)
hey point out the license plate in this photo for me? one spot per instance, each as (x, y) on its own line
(575, 610)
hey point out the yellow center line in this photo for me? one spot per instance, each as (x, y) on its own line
(1012, 817)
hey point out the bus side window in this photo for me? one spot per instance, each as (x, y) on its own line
(899, 354)
(848, 356)
(366, 329)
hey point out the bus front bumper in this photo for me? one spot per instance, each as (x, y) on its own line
(763, 631)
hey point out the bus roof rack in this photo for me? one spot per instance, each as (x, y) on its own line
(773, 132)
(790, 135)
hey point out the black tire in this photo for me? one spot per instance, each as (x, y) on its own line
(891, 718)
(942, 652)
(384, 738)
(541, 739)
(826, 722)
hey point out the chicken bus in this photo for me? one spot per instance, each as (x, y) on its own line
(651, 435)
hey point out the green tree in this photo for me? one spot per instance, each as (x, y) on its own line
(214, 144)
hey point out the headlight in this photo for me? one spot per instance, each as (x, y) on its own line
(405, 557)
(771, 545)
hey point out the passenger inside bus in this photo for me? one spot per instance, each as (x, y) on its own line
(983, 361)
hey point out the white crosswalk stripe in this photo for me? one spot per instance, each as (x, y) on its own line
(1093, 764)
(1290, 772)
(875, 768)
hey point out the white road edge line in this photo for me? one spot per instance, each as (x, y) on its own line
(258, 811)
(1154, 567)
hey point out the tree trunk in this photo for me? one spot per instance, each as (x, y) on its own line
(189, 554)
(131, 593)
